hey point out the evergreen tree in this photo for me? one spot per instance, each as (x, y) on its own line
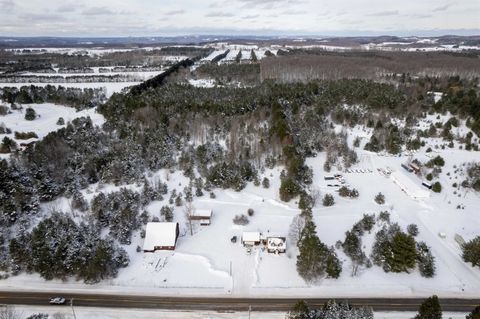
(402, 257)
(315, 257)
(299, 311)
(253, 56)
(471, 251)
(30, 114)
(380, 199)
(167, 213)
(430, 309)
(238, 58)
(475, 314)
(266, 183)
(328, 200)
(426, 261)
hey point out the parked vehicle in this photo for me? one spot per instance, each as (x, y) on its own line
(57, 301)
(233, 239)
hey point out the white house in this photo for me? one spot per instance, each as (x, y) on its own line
(250, 238)
(160, 236)
(407, 185)
(276, 244)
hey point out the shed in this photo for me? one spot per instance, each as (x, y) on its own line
(276, 244)
(409, 186)
(250, 238)
(160, 236)
(202, 215)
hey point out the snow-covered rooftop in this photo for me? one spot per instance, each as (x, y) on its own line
(160, 235)
(251, 236)
(204, 213)
(276, 242)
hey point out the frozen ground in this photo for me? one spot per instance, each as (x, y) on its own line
(112, 313)
(47, 117)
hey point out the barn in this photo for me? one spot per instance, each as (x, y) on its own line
(160, 236)
(407, 185)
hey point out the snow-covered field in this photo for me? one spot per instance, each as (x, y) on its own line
(112, 313)
(47, 117)
(235, 48)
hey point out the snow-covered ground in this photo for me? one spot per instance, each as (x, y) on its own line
(46, 121)
(257, 273)
(208, 83)
(208, 263)
(113, 313)
(235, 48)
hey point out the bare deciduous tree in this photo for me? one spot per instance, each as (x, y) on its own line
(9, 312)
(296, 228)
(189, 211)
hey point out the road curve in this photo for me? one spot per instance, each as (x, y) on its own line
(222, 304)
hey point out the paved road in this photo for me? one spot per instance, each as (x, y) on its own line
(222, 304)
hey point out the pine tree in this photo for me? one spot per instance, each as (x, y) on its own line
(253, 56)
(310, 260)
(328, 200)
(30, 114)
(238, 58)
(471, 251)
(403, 253)
(430, 309)
(475, 314)
(315, 259)
(426, 261)
(299, 311)
(333, 266)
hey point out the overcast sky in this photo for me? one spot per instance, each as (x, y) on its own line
(252, 17)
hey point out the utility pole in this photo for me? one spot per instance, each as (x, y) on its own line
(73, 310)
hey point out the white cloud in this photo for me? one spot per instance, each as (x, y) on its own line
(150, 17)
(7, 5)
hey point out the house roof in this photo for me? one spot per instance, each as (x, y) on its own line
(160, 235)
(206, 213)
(277, 242)
(251, 236)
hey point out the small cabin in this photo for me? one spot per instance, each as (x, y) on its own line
(407, 168)
(160, 236)
(276, 244)
(204, 216)
(251, 238)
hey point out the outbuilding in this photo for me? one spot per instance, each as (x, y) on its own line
(251, 238)
(160, 236)
(202, 215)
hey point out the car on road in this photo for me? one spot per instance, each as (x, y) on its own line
(57, 301)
